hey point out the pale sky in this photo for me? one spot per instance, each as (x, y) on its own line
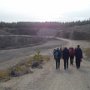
(44, 10)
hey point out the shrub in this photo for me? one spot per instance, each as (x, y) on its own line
(87, 52)
(19, 70)
(24, 66)
(37, 56)
(4, 75)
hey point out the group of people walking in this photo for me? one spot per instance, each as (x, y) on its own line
(68, 54)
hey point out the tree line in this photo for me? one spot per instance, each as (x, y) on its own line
(43, 24)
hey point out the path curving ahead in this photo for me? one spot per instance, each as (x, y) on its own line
(11, 57)
(49, 78)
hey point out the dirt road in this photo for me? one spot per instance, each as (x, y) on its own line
(11, 57)
(71, 79)
(49, 78)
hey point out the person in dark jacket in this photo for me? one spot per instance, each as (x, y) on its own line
(71, 54)
(65, 57)
(79, 56)
(57, 57)
(54, 53)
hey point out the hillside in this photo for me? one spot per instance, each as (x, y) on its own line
(18, 41)
(76, 32)
(32, 28)
(4, 32)
(79, 30)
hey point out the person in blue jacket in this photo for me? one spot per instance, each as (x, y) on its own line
(78, 56)
(57, 57)
(65, 57)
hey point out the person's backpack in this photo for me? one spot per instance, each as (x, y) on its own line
(57, 54)
(78, 53)
(71, 52)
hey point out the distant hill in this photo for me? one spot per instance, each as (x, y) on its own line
(79, 30)
(2, 32)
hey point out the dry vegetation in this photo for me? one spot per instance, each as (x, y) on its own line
(17, 41)
(36, 61)
(4, 75)
(87, 53)
(74, 30)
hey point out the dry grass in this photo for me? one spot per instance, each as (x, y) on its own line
(22, 67)
(4, 75)
(87, 52)
(46, 58)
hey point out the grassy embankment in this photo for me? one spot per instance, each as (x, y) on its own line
(87, 53)
(36, 61)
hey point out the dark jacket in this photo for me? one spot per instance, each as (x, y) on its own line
(78, 53)
(71, 52)
(65, 54)
(57, 54)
